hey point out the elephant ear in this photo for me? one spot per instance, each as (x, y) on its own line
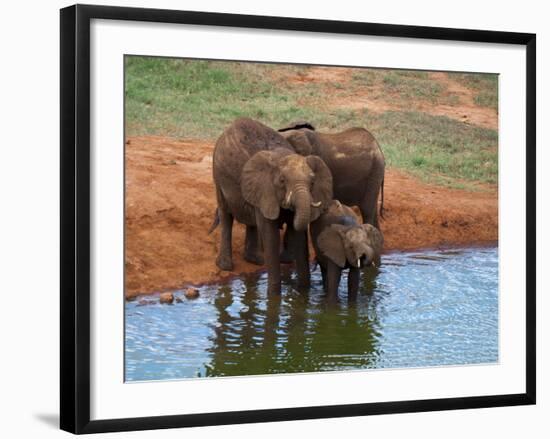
(375, 239)
(331, 244)
(321, 191)
(257, 183)
(300, 141)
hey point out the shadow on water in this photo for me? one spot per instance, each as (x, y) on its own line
(417, 309)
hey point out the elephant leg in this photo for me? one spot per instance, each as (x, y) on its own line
(353, 283)
(369, 204)
(333, 281)
(300, 251)
(269, 233)
(252, 250)
(324, 278)
(225, 260)
(368, 209)
(286, 255)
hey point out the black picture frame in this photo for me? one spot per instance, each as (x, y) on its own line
(75, 217)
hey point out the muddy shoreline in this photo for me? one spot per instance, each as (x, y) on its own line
(170, 204)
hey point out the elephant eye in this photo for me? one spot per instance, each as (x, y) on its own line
(282, 179)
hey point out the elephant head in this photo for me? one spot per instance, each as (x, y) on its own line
(275, 179)
(359, 245)
(301, 135)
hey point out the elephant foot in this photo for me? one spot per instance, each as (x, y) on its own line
(254, 259)
(224, 263)
(286, 257)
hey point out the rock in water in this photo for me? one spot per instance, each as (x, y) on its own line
(191, 293)
(166, 298)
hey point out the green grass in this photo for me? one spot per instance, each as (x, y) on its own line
(405, 84)
(436, 148)
(198, 99)
(410, 87)
(485, 86)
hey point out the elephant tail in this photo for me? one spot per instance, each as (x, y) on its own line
(382, 200)
(216, 221)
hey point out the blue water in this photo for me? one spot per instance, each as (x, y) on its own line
(419, 309)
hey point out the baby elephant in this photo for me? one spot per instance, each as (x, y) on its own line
(341, 241)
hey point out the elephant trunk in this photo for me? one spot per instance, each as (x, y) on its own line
(369, 255)
(302, 208)
(361, 254)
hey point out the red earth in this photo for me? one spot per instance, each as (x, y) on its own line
(170, 204)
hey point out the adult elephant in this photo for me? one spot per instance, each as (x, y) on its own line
(262, 183)
(355, 160)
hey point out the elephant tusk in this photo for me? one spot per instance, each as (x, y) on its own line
(358, 263)
(316, 204)
(373, 264)
(288, 197)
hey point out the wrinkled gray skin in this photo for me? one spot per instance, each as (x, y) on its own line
(341, 242)
(354, 158)
(261, 182)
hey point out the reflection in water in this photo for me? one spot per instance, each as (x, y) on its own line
(295, 332)
(418, 309)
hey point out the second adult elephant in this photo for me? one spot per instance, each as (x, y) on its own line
(262, 183)
(355, 160)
